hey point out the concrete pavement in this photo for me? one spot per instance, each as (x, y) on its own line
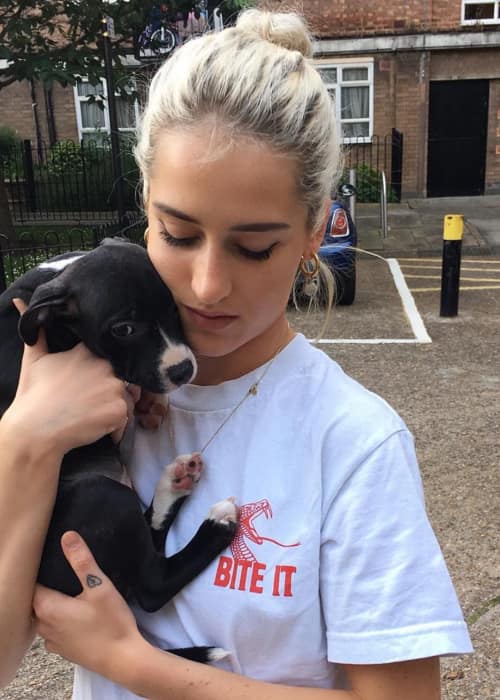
(416, 226)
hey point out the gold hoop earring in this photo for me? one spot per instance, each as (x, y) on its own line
(310, 269)
(146, 235)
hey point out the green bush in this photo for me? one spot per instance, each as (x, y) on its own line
(368, 185)
(69, 158)
(10, 143)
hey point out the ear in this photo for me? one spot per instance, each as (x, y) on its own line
(50, 302)
(317, 235)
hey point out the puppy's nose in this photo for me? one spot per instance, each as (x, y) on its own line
(181, 373)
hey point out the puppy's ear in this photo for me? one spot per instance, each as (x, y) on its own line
(51, 303)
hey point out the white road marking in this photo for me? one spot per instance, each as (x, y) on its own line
(411, 311)
(462, 289)
(415, 319)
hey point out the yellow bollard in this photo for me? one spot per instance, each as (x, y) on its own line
(453, 231)
(453, 227)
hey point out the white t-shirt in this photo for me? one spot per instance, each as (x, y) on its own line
(334, 560)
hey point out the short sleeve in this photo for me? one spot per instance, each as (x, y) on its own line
(385, 589)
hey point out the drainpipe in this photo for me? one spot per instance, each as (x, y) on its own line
(36, 121)
(49, 112)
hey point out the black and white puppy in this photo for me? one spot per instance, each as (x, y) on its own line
(114, 301)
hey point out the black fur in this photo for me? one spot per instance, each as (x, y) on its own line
(94, 299)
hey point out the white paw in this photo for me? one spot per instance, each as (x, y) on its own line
(225, 511)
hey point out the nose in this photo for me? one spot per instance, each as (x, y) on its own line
(211, 282)
(181, 373)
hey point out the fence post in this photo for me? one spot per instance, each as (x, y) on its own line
(397, 163)
(29, 175)
(3, 280)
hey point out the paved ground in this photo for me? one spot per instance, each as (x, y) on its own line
(447, 390)
(416, 225)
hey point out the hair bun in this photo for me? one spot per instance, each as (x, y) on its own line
(287, 30)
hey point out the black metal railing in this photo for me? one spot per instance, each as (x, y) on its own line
(73, 181)
(32, 248)
(68, 181)
(369, 159)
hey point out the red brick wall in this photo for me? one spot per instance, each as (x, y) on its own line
(336, 18)
(493, 149)
(17, 111)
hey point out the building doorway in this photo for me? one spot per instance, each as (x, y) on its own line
(458, 128)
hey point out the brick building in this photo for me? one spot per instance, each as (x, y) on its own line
(429, 68)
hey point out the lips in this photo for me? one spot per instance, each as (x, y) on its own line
(209, 320)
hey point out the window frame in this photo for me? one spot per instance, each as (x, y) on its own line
(496, 12)
(106, 129)
(336, 89)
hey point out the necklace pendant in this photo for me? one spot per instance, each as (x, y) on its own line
(253, 389)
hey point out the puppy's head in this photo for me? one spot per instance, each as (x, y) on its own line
(114, 301)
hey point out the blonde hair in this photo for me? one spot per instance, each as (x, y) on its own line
(255, 80)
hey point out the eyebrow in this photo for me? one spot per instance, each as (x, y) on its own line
(253, 227)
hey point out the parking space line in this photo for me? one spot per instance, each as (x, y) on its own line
(462, 279)
(410, 308)
(462, 289)
(415, 319)
(463, 268)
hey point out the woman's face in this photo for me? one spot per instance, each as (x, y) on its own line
(226, 235)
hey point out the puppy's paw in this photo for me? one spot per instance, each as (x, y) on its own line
(180, 476)
(224, 512)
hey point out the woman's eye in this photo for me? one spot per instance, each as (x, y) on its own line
(173, 240)
(257, 254)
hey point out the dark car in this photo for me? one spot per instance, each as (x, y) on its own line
(337, 247)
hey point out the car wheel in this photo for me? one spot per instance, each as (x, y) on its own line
(346, 287)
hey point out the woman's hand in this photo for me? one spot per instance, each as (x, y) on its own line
(68, 399)
(96, 629)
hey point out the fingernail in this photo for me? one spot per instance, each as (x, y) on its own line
(71, 540)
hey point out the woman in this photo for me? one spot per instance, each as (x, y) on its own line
(326, 588)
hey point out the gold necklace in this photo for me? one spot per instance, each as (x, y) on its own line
(251, 391)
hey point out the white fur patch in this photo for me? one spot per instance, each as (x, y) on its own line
(217, 654)
(224, 512)
(174, 354)
(60, 264)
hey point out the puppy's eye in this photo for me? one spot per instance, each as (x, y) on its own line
(123, 329)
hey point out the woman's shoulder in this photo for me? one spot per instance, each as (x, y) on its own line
(332, 396)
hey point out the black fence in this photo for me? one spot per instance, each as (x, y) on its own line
(34, 248)
(370, 158)
(66, 181)
(74, 181)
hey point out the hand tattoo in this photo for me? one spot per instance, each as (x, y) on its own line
(93, 581)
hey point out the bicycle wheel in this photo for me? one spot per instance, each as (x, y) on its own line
(163, 41)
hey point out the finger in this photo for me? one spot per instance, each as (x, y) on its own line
(82, 562)
(20, 305)
(33, 352)
(135, 392)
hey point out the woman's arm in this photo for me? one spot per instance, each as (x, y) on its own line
(28, 477)
(63, 400)
(98, 631)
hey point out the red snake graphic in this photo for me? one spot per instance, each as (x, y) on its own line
(248, 513)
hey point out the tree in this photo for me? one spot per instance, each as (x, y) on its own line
(59, 41)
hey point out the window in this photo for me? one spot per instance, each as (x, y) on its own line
(351, 87)
(480, 11)
(93, 118)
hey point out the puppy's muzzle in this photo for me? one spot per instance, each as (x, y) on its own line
(177, 365)
(181, 373)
